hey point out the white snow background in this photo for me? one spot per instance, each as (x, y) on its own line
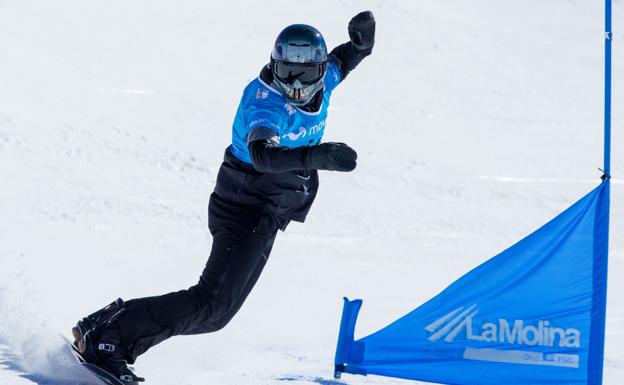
(476, 121)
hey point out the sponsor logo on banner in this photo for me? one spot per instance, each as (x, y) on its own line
(510, 332)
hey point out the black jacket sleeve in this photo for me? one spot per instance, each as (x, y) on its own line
(269, 157)
(361, 41)
(348, 57)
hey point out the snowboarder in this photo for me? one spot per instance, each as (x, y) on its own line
(269, 177)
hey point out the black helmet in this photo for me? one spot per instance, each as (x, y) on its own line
(298, 63)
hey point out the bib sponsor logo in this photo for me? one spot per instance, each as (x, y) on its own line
(295, 136)
(262, 94)
(303, 132)
(291, 110)
(316, 128)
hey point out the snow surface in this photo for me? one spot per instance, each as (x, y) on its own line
(475, 122)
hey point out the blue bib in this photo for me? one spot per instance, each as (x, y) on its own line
(264, 106)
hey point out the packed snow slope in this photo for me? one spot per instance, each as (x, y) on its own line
(475, 123)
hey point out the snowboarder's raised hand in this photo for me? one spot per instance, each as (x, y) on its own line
(362, 31)
(331, 156)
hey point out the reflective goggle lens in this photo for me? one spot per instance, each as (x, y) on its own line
(306, 73)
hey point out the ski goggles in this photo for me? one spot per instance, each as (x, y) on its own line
(306, 73)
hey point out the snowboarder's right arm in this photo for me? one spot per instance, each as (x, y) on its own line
(269, 157)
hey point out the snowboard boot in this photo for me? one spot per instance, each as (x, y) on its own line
(96, 337)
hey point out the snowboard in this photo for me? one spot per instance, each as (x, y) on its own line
(103, 375)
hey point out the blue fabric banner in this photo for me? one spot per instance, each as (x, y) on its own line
(532, 315)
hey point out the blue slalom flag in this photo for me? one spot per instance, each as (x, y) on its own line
(532, 315)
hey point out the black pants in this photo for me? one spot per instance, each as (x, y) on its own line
(242, 241)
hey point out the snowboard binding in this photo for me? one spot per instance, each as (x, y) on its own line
(96, 340)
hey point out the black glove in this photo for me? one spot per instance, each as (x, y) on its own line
(362, 31)
(331, 156)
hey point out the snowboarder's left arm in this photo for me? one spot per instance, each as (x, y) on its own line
(362, 39)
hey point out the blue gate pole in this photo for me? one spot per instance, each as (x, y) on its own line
(607, 97)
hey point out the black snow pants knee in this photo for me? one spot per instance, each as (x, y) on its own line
(242, 241)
